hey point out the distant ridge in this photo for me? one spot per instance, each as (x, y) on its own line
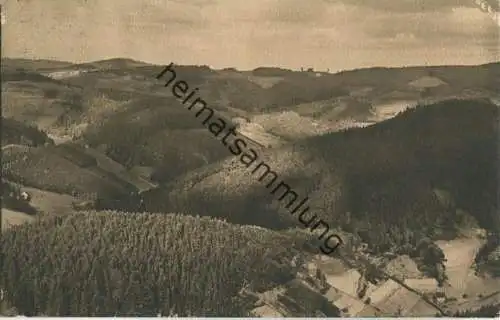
(262, 71)
(113, 63)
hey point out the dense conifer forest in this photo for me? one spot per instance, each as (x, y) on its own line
(109, 263)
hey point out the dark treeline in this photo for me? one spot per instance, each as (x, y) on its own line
(488, 259)
(16, 132)
(489, 311)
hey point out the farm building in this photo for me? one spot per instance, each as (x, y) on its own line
(25, 196)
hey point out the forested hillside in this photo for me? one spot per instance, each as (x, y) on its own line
(118, 264)
(427, 172)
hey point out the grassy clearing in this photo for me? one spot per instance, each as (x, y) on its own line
(13, 218)
(50, 202)
(460, 254)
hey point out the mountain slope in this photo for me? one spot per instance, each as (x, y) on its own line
(385, 175)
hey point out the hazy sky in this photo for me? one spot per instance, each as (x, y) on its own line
(335, 34)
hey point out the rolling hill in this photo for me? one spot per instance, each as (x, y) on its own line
(402, 162)
(385, 175)
(98, 101)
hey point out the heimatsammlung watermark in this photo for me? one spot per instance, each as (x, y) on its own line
(248, 156)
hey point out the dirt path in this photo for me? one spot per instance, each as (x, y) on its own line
(10, 146)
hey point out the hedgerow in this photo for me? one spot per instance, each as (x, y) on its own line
(110, 263)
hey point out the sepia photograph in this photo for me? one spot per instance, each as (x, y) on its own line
(256, 159)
